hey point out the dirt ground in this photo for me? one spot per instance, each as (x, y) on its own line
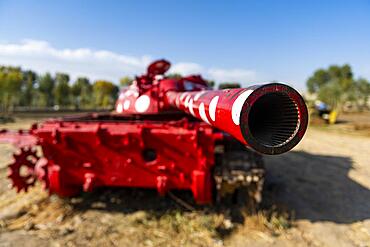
(316, 195)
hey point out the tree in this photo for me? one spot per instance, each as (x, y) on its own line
(332, 85)
(342, 74)
(211, 83)
(317, 80)
(331, 94)
(46, 85)
(11, 79)
(125, 81)
(360, 93)
(363, 88)
(82, 92)
(62, 89)
(28, 90)
(227, 85)
(105, 93)
(3, 77)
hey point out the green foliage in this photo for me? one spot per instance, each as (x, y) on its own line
(211, 83)
(125, 81)
(62, 90)
(359, 93)
(341, 74)
(105, 93)
(28, 90)
(331, 93)
(82, 93)
(46, 86)
(336, 85)
(226, 85)
(11, 79)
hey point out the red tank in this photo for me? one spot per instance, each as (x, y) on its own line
(165, 134)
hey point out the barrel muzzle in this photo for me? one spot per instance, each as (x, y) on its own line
(273, 119)
(270, 118)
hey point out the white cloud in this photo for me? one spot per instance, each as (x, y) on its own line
(42, 57)
(101, 64)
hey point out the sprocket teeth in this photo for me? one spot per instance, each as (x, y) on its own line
(10, 173)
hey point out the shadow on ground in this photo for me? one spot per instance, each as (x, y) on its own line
(316, 187)
(313, 187)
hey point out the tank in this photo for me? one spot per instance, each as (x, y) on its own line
(164, 134)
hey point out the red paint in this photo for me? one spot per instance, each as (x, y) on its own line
(147, 145)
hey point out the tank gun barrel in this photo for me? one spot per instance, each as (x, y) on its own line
(270, 118)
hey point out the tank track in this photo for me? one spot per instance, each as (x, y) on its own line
(239, 175)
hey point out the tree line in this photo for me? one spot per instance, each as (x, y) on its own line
(335, 85)
(28, 89)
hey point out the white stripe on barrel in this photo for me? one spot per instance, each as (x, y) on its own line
(213, 107)
(238, 105)
(202, 113)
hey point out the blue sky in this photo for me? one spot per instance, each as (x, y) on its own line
(224, 40)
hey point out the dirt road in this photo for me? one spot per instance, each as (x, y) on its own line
(323, 183)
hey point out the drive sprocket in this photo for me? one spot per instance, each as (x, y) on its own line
(22, 169)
